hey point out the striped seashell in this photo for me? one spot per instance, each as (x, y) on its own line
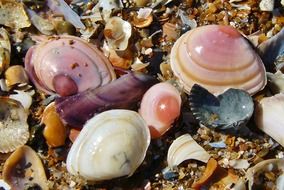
(217, 57)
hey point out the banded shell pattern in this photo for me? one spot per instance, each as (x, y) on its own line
(217, 57)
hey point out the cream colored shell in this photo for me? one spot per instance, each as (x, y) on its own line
(111, 144)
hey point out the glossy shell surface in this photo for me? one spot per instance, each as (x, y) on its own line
(112, 144)
(160, 106)
(217, 57)
(67, 65)
(14, 129)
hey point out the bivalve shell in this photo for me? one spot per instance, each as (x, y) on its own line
(14, 130)
(217, 57)
(111, 144)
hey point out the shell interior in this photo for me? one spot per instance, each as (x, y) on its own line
(229, 110)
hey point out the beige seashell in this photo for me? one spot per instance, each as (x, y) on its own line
(14, 130)
(269, 116)
(26, 162)
(185, 148)
(117, 33)
(143, 18)
(275, 82)
(16, 74)
(111, 144)
(5, 50)
(265, 166)
(217, 58)
(170, 31)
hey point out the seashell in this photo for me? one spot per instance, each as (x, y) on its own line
(14, 130)
(122, 93)
(121, 59)
(24, 169)
(185, 148)
(5, 50)
(13, 14)
(170, 31)
(43, 25)
(112, 144)
(272, 52)
(275, 82)
(143, 18)
(266, 5)
(66, 65)
(160, 107)
(210, 56)
(24, 97)
(4, 185)
(117, 33)
(228, 111)
(271, 165)
(55, 132)
(269, 116)
(141, 3)
(16, 74)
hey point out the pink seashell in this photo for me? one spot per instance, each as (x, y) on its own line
(160, 107)
(66, 65)
(217, 58)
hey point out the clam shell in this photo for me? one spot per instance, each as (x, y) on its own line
(14, 130)
(185, 148)
(16, 74)
(269, 117)
(77, 63)
(160, 107)
(217, 57)
(24, 169)
(228, 111)
(112, 144)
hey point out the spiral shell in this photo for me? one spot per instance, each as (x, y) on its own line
(217, 57)
(111, 144)
(14, 130)
(66, 65)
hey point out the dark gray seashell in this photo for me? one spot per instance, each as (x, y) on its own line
(228, 111)
(272, 52)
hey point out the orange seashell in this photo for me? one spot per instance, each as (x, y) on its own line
(217, 58)
(55, 132)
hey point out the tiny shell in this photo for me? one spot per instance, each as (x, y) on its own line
(117, 33)
(16, 74)
(143, 18)
(5, 50)
(269, 117)
(228, 111)
(170, 31)
(26, 162)
(14, 130)
(55, 132)
(160, 107)
(185, 148)
(210, 56)
(111, 144)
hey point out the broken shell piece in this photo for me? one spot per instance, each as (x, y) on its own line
(271, 165)
(24, 169)
(170, 31)
(4, 185)
(43, 25)
(111, 144)
(210, 56)
(16, 74)
(14, 130)
(266, 5)
(55, 132)
(228, 111)
(185, 148)
(269, 116)
(13, 14)
(117, 33)
(121, 59)
(25, 98)
(5, 50)
(143, 18)
(275, 82)
(160, 107)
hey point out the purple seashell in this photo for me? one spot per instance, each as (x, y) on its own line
(122, 93)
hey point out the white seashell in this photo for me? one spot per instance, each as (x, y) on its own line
(185, 148)
(266, 5)
(14, 129)
(217, 58)
(271, 165)
(111, 144)
(117, 33)
(25, 98)
(269, 117)
(4, 185)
